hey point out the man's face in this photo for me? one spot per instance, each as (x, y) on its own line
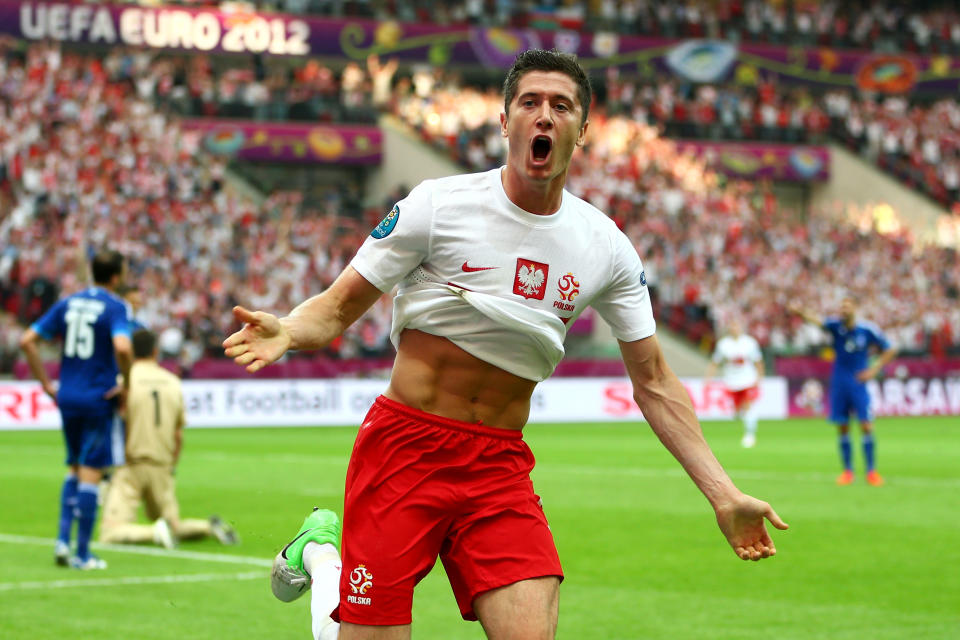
(134, 298)
(848, 310)
(735, 328)
(543, 127)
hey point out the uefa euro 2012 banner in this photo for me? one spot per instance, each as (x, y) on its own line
(332, 402)
(213, 30)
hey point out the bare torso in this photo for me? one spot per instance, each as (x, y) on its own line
(434, 375)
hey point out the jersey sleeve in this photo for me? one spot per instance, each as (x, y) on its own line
(756, 355)
(877, 337)
(50, 325)
(400, 242)
(625, 303)
(119, 320)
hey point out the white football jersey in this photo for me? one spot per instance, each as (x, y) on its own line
(501, 283)
(738, 357)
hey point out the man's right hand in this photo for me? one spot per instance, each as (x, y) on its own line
(260, 342)
(50, 388)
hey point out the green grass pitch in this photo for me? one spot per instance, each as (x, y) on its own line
(642, 555)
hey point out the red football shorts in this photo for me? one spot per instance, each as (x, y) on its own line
(421, 486)
(743, 397)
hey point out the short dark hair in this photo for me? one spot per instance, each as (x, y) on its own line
(105, 265)
(552, 60)
(144, 343)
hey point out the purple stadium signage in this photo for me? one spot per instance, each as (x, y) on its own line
(795, 163)
(189, 29)
(913, 396)
(921, 386)
(290, 142)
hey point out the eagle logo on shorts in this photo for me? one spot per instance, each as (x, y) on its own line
(360, 579)
(531, 279)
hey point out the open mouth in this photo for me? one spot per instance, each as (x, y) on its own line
(541, 148)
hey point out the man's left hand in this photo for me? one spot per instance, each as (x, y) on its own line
(741, 521)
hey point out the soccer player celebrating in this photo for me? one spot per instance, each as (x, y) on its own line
(96, 339)
(155, 419)
(742, 362)
(852, 342)
(487, 266)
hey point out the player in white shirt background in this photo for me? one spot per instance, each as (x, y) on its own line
(741, 361)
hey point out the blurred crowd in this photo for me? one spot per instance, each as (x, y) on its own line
(883, 25)
(87, 159)
(251, 87)
(918, 142)
(262, 89)
(87, 162)
(715, 249)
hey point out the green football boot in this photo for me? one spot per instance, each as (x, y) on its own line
(289, 579)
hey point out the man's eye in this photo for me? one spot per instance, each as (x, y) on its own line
(528, 103)
(562, 107)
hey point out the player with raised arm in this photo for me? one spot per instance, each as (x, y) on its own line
(439, 467)
(155, 418)
(852, 342)
(741, 360)
(95, 329)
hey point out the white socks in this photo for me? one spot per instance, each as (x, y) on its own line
(750, 422)
(322, 562)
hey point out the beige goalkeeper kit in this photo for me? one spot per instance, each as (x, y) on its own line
(155, 420)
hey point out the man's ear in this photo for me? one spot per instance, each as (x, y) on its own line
(503, 124)
(582, 137)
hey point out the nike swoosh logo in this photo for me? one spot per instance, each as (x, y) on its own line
(466, 267)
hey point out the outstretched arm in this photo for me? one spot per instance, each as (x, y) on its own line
(313, 324)
(667, 407)
(806, 314)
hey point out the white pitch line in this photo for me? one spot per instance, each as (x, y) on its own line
(117, 582)
(813, 477)
(201, 556)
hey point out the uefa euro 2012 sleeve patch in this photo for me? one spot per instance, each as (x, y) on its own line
(387, 225)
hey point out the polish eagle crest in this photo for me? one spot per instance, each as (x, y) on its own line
(530, 279)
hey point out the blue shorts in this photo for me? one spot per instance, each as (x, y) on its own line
(93, 439)
(848, 395)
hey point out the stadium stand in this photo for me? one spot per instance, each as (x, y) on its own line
(713, 247)
(88, 161)
(107, 141)
(259, 89)
(862, 24)
(914, 141)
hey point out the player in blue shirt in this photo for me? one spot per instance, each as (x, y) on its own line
(95, 328)
(131, 295)
(852, 343)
